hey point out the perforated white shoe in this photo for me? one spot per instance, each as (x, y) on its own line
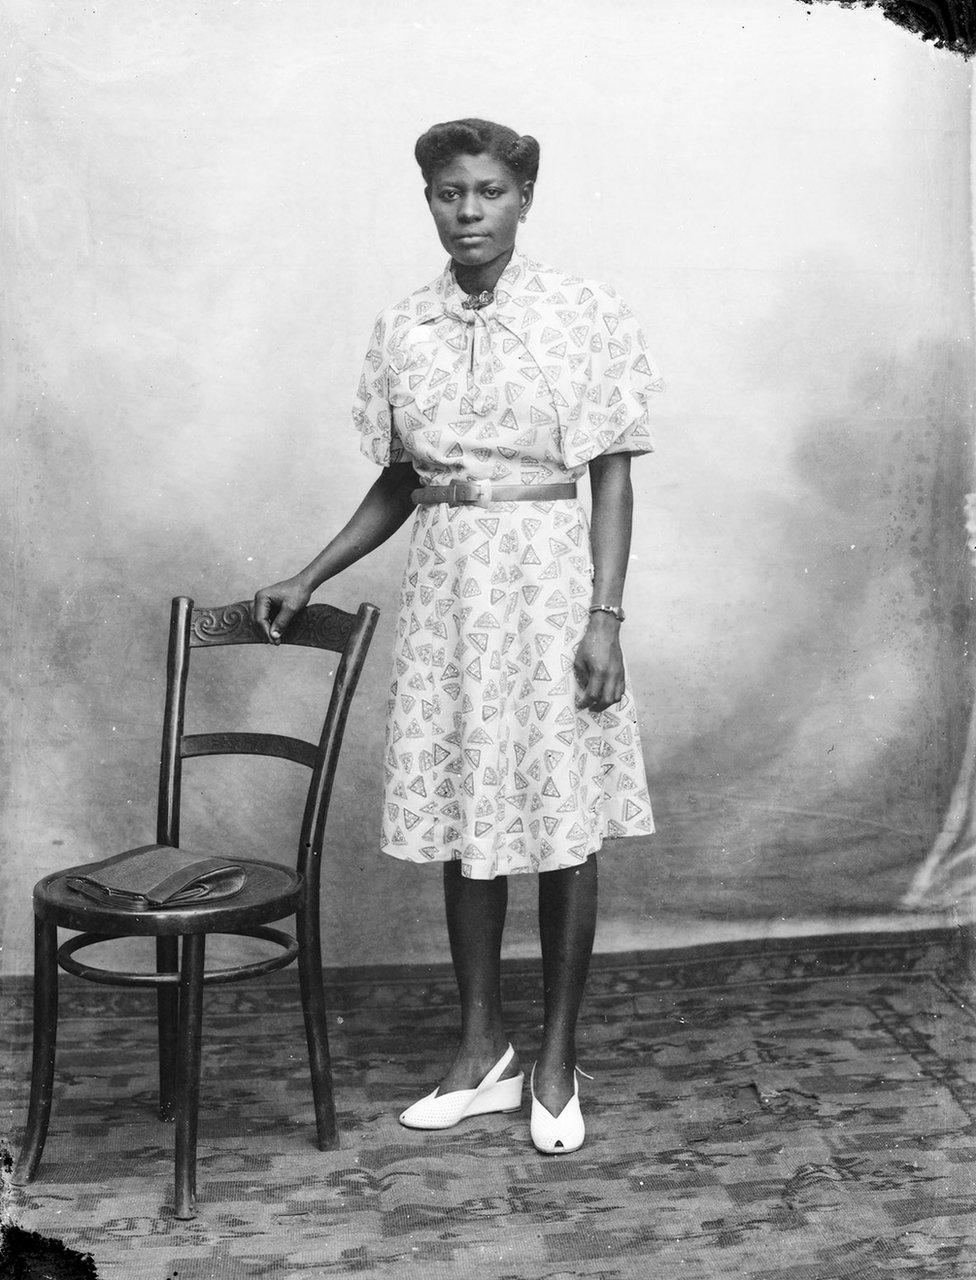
(557, 1135)
(442, 1111)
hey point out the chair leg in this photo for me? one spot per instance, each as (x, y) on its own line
(188, 1074)
(316, 1033)
(167, 1018)
(45, 1040)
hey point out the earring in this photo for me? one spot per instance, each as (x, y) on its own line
(521, 217)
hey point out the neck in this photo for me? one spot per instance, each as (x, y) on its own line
(483, 277)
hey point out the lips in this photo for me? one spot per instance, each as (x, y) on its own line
(470, 237)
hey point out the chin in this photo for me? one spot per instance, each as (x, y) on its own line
(469, 254)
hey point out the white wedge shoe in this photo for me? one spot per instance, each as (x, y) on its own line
(442, 1111)
(557, 1135)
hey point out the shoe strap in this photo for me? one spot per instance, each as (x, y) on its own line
(494, 1075)
(575, 1082)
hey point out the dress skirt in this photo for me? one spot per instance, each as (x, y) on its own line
(488, 759)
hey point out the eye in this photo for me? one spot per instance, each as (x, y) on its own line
(493, 192)
(447, 194)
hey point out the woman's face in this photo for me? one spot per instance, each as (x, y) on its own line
(476, 202)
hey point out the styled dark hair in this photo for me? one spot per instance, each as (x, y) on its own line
(442, 142)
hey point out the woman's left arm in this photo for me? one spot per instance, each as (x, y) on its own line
(599, 663)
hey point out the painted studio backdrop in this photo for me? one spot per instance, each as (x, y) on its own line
(204, 208)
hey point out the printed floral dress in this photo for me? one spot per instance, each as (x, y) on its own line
(488, 760)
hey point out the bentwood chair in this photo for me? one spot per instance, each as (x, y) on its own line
(271, 892)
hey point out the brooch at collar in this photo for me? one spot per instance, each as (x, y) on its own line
(475, 301)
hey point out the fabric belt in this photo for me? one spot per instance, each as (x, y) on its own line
(480, 493)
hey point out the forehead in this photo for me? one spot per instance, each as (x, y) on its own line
(464, 169)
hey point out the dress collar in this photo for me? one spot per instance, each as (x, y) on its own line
(451, 296)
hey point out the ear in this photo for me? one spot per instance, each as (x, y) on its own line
(427, 194)
(526, 192)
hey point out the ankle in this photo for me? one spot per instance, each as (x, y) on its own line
(481, 1035)
(481, 1048)
(556, 1060)
(473, 1061)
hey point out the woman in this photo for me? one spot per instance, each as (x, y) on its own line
(512, 744)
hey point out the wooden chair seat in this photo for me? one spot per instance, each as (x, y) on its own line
(271, 892)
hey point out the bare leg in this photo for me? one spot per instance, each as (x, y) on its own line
(567, 921)
(475, 920)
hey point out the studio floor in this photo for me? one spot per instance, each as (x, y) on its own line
(790, 1110)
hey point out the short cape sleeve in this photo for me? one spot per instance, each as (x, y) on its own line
(372, 413)
(610, 409)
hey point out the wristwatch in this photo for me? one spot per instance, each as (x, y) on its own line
(617, 612)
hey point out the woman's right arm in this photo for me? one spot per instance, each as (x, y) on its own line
(383, 510)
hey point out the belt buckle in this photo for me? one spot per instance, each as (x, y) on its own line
(469, 492)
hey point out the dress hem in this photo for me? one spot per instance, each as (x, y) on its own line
(470, 870)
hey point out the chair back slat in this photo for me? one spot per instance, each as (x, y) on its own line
(250, 744)
(318, 626)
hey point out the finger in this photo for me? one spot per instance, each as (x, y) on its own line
(610, 695)
(262, 606)
(581, 672)
(611, 690)
(602, 700)
(593, 692)
(282, 619)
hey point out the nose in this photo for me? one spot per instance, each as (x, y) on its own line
(469, 208)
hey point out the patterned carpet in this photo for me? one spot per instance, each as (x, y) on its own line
(796, 1110)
